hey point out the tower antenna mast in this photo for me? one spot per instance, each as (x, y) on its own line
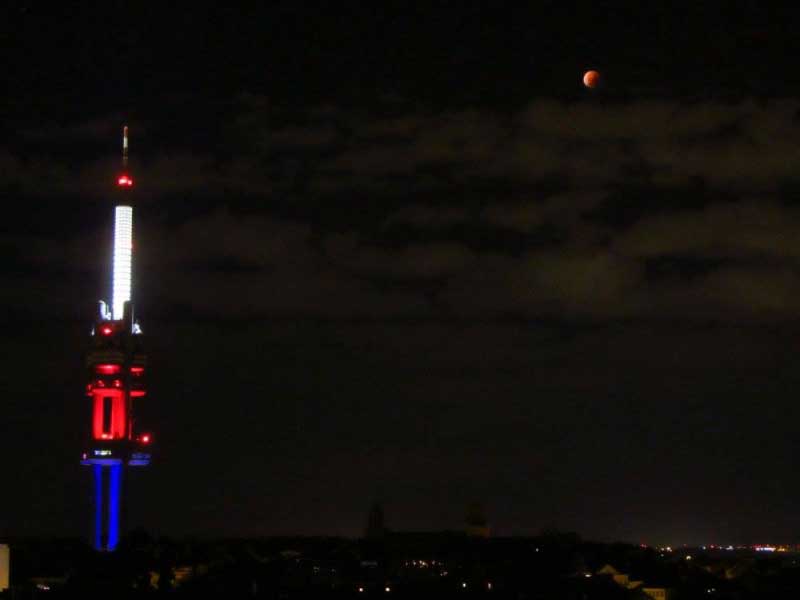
(125, 147)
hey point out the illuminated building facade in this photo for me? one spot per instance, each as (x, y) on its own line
(5, 567)
(116, 365)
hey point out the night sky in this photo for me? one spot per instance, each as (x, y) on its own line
(398, 252)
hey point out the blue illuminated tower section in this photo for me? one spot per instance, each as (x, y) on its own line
(116, 365)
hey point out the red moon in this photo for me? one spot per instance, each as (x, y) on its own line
(591, 79)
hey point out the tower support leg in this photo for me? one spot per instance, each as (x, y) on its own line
(107, 498)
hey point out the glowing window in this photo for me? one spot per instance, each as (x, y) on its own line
(109, 421)
(107, 414)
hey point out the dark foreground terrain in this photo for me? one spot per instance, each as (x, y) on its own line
(395, 565)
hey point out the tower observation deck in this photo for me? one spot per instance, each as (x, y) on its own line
(116, 367)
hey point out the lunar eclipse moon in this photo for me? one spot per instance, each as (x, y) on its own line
(591, 79)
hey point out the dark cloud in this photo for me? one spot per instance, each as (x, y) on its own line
(746, 229)
(451, 258)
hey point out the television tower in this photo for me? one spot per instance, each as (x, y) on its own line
(116, 365)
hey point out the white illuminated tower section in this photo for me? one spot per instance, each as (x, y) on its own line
(123, 260)
(116, 379)
(123, 242)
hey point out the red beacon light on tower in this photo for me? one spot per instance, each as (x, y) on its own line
(125, 181)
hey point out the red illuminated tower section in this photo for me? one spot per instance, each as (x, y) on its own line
(116, 366)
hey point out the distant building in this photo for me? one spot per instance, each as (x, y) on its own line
(476, 523)
(621, 579)
(624, 581)
(376, 522)
(5, 566)
(656, 593)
